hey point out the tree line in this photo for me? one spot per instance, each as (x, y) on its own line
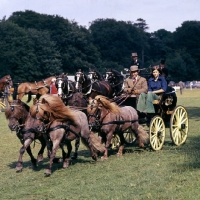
(35, 46)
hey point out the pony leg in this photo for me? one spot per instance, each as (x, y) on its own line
(77, 144)
(19, 165)
(107, 146)
(121, 147)
(33, 160)
(52, 156)
(28, 150)
(40, 153)
(66, 156)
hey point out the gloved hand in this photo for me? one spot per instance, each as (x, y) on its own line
(129, 90)
(135, 92)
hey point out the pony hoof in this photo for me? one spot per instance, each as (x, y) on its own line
(65, 165)
(94, 158)
(47, 172)
(19, 169)
(104, 158)
(40, 158)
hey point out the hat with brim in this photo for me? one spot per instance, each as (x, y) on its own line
(134, 54)
(134, 68)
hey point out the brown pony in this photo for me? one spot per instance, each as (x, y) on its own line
(17, 114)
(63, 125)
(107, 118)
(35, 88)
(4, 81)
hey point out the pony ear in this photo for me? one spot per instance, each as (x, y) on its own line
(43, 101)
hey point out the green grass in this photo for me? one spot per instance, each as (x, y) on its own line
(171, 173)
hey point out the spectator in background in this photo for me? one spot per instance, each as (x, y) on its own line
(181, 84)
(191, 84)
(136, 61)
(53, 89)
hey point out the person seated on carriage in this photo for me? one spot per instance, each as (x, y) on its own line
(157, 85)
(134, 85)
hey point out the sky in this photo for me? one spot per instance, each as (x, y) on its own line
(158, 14)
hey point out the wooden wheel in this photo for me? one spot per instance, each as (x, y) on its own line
(129, 137)
(179, 125)
(157, 133)
(115, 142)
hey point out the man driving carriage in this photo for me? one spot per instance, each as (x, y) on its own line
(134, 85)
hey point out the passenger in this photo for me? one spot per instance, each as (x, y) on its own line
(135, 85)
(156, 86)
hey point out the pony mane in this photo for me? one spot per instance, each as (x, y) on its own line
(55, 106)
(106, 103)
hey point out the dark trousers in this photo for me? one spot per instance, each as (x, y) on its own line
(131, 101)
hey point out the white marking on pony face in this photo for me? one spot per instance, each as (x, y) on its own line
(78, 75)
(107, 75)
(90, 76)
(60, 87)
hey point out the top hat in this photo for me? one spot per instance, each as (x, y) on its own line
(134, 68)
(134, 54)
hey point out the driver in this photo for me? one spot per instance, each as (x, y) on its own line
(134, 85)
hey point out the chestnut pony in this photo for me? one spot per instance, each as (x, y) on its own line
(108, 118)
(63, 125)
(32, 88)
(17, 114)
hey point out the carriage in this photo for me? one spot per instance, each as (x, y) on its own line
(167, 115)
(175, 118)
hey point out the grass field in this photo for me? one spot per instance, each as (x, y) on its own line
(171, 173)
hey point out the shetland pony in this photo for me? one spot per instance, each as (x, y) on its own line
(107, 118)
(32, 88)
(17, 114)
(63, 125)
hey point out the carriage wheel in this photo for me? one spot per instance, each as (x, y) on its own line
(115, 142)
(129, 137)
(179, 125)
(157, 133)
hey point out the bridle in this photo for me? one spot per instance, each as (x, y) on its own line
(97, 114)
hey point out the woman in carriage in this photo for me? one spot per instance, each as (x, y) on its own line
(157, 85)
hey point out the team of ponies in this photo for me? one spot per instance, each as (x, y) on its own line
(81, 108)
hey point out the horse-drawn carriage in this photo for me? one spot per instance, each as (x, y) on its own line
(120, 124)
(168, 114)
